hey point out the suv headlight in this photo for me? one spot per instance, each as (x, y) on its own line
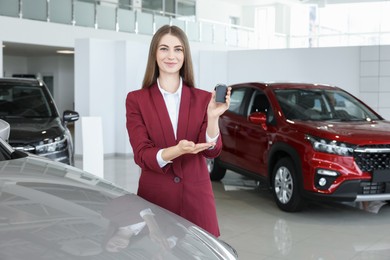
(330, 146)
(51, 145)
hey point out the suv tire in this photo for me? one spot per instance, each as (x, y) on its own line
(217, 172)
(285, 187)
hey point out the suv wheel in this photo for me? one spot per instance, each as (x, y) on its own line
(216, 171)
(285, 186)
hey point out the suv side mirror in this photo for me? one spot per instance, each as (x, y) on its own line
(259, 118)
(70, 116)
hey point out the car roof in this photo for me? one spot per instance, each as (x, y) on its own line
(288, 85)
(8, 80)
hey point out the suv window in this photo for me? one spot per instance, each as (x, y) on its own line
(23, 101)
(322, 105)
(236, 99)
(259, 103)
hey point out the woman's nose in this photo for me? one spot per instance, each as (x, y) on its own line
(171, 54)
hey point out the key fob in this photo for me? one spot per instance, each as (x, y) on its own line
(220, 93)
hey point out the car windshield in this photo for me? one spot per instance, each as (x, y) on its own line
(23, 101)
(321, 104)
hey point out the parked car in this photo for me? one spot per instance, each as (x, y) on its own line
(305, 142)
(50, 210)
(36, 126)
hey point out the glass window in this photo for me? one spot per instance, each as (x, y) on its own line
(152, 5)
(234, 20)
(23, 101)
(348, 24)
(186, 7)
(321, 104)
(236, 99)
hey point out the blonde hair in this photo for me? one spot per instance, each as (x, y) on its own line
(152, 71)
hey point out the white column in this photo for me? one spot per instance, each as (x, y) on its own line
(92, 138)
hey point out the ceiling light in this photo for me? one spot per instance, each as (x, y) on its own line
(65, 51)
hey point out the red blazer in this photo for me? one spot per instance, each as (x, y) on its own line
(184, 186)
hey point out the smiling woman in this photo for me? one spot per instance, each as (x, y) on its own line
(173, 128)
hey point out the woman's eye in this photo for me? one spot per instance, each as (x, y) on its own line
(163, 49)
(179, 49)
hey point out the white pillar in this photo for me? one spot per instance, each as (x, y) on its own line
(92, 138)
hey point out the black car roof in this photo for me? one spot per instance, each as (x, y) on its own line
(32, 81)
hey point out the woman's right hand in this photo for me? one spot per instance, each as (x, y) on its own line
(186, 147)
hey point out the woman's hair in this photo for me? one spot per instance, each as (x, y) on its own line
(152, 71)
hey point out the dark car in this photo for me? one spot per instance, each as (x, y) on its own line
(305, 142)
(50, 210)
(36, 126)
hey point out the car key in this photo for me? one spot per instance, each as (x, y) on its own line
(220, 93)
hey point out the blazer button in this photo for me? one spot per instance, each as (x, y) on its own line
(176, 179)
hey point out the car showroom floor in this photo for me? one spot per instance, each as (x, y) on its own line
(250, 221)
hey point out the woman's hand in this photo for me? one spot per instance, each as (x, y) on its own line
(186, 147)
(215, 109)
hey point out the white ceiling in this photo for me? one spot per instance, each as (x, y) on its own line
(29, 50)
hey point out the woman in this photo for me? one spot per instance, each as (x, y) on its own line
(173, 128)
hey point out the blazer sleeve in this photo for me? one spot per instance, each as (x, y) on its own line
(211, 153)
(144, 149)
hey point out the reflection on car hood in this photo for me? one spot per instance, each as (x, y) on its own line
(50, 210)
(31, 130)
(350, 131)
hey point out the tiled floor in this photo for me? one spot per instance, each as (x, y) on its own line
(257, 229)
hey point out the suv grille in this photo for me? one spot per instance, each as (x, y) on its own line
(372, 188)
(372, 157)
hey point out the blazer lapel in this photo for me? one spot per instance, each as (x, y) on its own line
(162, 112)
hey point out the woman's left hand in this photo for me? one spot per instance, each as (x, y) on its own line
(215, 109)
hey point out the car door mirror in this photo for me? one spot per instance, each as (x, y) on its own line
(70, 116)
(259, 118)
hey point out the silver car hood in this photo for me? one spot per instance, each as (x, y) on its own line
(51, 210)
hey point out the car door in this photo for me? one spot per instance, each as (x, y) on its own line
(252, 139)
(230, 122)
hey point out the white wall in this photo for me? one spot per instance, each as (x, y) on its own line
(336, 66)
(375, 78)
(213, 69)
(14, 65)
(216, 10)
(362, 71)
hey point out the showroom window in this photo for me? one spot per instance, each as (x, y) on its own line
(176, 7)
(186, 8)
(328, 25)
(340, 25)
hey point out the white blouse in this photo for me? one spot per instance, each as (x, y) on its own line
(172, 102)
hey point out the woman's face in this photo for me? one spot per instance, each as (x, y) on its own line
(170, 55)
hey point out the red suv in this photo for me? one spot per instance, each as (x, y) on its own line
(305, 141)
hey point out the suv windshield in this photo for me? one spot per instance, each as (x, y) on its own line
(23, 101)
(319, 105)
